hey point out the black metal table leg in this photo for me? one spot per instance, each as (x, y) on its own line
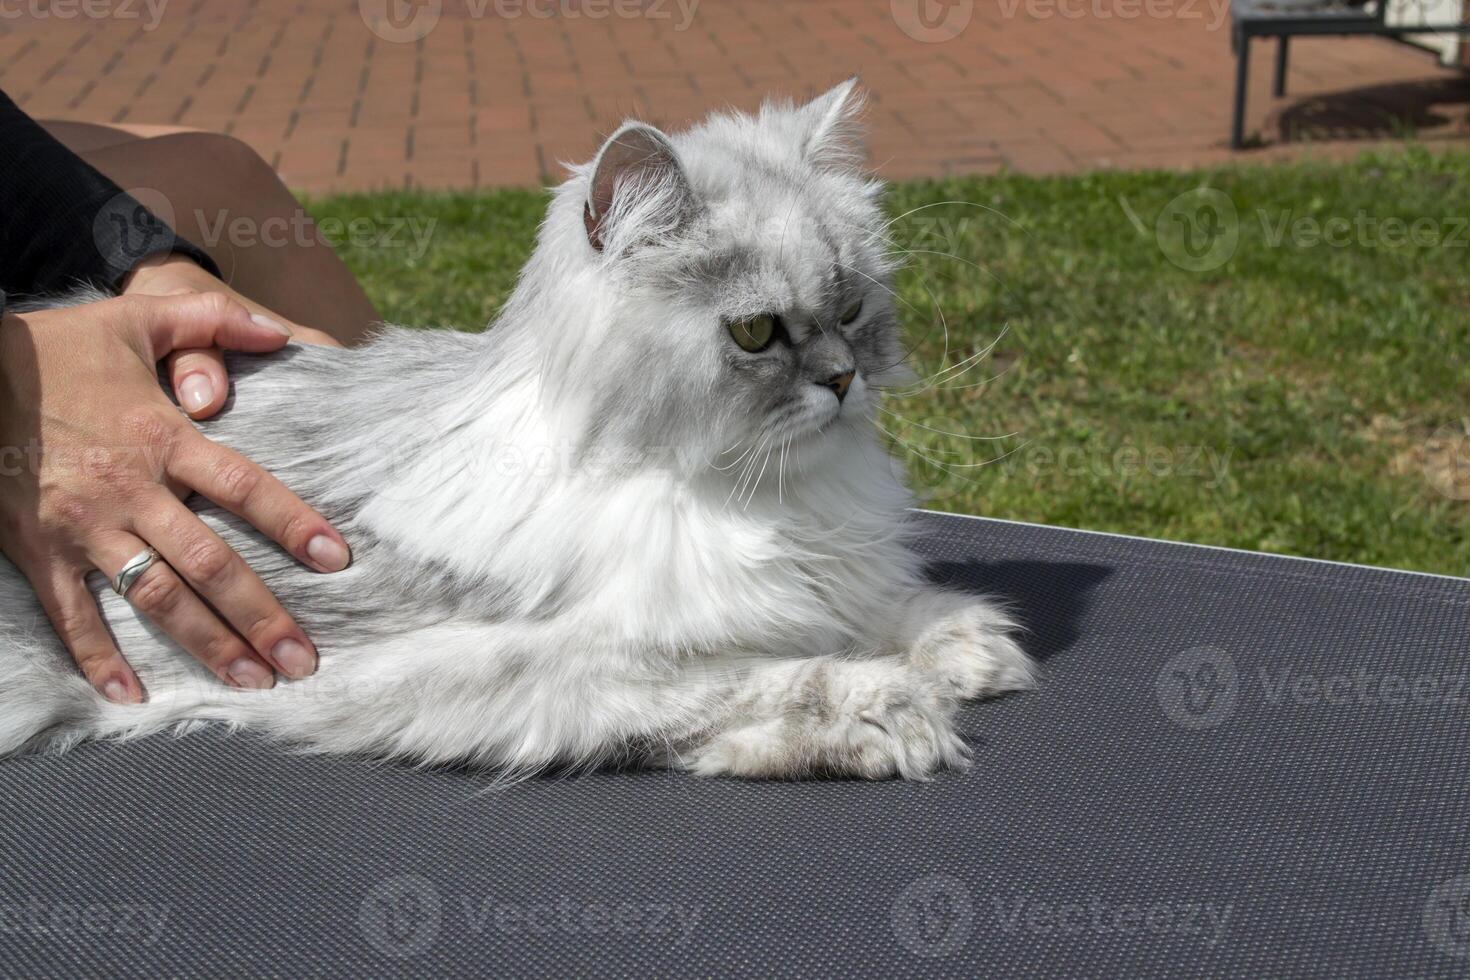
(1242, 76)
(1278, 87)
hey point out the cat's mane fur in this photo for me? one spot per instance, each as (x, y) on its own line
(562, 553)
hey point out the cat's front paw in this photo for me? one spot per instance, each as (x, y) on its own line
(868, 722)
(968, 647)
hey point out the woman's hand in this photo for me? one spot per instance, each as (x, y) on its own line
(199, 379)
(93, 462)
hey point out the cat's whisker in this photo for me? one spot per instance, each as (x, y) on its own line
(939, 378)
(960, 258)
(957, 435)
(900, 395)
(968, 204)
(781, 472)
(757, 482)
(740, 477)
(737, 459)
(949, 468)
(956, 370)
(898, 251)
(747, 471)
(895, 295)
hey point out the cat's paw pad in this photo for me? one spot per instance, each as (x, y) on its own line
(973, 654)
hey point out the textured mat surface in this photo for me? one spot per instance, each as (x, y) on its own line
(1237, 765)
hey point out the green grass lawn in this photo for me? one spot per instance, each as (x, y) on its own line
(1280, 361)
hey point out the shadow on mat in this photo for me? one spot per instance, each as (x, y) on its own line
(1048, 597)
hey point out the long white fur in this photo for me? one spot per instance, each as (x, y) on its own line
(574, 541)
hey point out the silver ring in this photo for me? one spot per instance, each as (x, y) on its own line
(133, 570)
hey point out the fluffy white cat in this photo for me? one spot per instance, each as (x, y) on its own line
(644, 518)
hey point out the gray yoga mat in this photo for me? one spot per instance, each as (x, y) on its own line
(1237, 764)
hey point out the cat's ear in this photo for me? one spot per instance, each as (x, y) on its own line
(637, 179)
(833, 127)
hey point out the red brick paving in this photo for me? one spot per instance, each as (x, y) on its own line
(493, 95)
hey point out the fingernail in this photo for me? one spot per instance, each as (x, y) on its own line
(294, 658)
(327, 552)
(117, 692)
(251, 675)
(261, 319)
(195, 392)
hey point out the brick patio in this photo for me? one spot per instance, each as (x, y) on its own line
(491, 94)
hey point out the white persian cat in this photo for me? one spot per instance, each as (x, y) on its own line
(644, 518)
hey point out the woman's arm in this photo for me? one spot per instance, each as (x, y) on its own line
(96, 456)
(62, 223)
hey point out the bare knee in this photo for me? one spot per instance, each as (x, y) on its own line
(228, 162)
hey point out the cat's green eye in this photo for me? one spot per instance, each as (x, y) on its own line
(852, 312)
(755, 333)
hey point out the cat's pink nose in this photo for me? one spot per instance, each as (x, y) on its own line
(839, 384)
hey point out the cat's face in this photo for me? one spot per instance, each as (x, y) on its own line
(754, 306)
